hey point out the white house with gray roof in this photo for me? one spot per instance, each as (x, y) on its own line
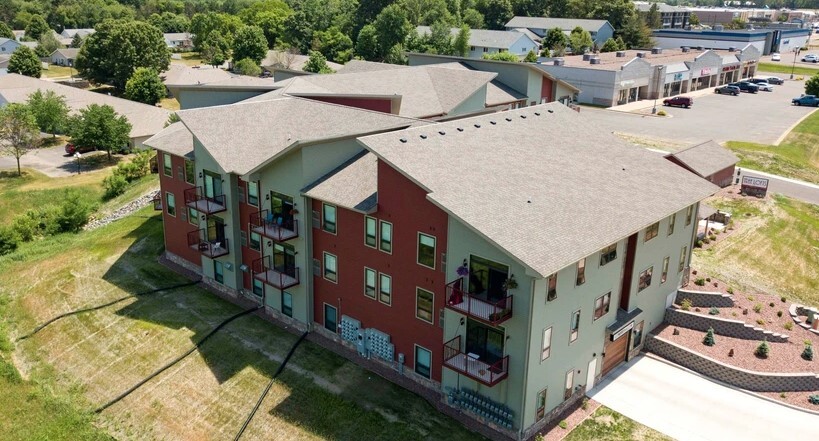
(482, 41)
(8, 46)
(600, 30)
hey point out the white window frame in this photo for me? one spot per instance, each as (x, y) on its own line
(653, 229)
(367, 219)
(324, 267)
(375, 283)
(324, 207)
(431, 320)
(574, 333)
(381, 277)
(415, 361)
(418, 250)
(168, 197)
(247, 189)
(580, 272)
(605, 305)
(672, 222)
(546, 344)
(381, 224)
(664, 275)
(167, 164)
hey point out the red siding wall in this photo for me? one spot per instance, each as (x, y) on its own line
(404, 205)
(546, 89)
(176, 228)
(724, 177)
(383, 105)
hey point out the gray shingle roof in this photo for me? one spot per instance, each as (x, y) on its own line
(567, 24)
(707, 158)
(549, 189)
(497, 92)
(357, 66)
(483, 37)
(67, 52)
(174, 139)
(282, 60)
(353, 185)
(242, 137)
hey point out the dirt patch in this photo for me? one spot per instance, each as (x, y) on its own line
(575, 419)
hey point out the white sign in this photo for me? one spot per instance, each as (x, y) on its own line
(750, 181)
(622, 331)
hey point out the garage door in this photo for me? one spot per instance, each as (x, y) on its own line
(615, 353)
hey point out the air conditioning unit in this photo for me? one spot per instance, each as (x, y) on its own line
(621, 54)
(594, 61)
(559, 62)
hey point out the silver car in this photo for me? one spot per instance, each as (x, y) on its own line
(765, 86)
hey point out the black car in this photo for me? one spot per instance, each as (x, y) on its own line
(746, 86)
(727, 90)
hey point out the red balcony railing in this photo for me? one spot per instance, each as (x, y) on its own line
(197, 240)
(197, 199)
(273, 226)
(277, 277)
(473, 367)
(491, 312)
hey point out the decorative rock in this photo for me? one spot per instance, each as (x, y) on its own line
(676, 332)
(745, 311)
(121, 212)
(731, 353)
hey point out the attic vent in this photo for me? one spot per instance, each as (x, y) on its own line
(559, 62)
(586, 57)
(641, 54)
(537, 113)
(732, 49)
(621, 54)
(477, 126)
(441, 132)
(551, 111)
(460, 129)
(686, 49)
(656, 50)
(423, 136)
(403, 139)
(594, 61)
(492, 122)
(523, 116)
(699, 48)
(508, 119)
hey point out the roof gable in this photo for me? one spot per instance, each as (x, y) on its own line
(706, 159)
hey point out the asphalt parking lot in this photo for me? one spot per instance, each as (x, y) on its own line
(762, 117)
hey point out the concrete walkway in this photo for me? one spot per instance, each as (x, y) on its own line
(689, 407)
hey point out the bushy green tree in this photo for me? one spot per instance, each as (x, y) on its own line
(246, 66)
(249, 42)
(737, 23)
(8, 240)
(316, 63)
(501, 56)
(709, 338)
(366, 45)
(215, 49)
(392, 28)
(531, 57)
(145, 86)
(461, 44)
(36, 28)
(18, 132)
(693, 20)
(49, 109)
(610, 46)
(333, 44)
(580, 40)
(25, 62)
(473, 19)
(170, 22)
(652, 17)
(496, 13)
(812, 85)
(74, 212)
(270, 16)
(439, 39)
(807, 354)
(76, 42)
(49, 43)
(636, 34)
(202, 24)
(6, 32)
(396, 55)
(426, 12)
(763, 350)
(555, 38)
(99, 126)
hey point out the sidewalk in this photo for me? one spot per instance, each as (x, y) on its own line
(647, 104)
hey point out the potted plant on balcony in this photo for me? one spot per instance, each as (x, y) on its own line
(510, 283)
(463, 270)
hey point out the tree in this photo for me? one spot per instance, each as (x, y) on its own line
(501, 56)
(246, 66)
(215, 49)
(709, 338)
(652, 18)
(693, 20)
(145, 86)
(392, 28)
(249, 42)
(807, 353)
(610, 46)
(812, 85)
(461, 44)
(737, 23)
(18, 131)
(333, 44)
(76, 42)
(25, 62)
(270, 16)
(6, 32)
(366, 45)
(473, 19)
(439, 39)
(555, 38)
(636, 34)
(49, 110)
(99, 126)
(531, 57)
(118, 48)
(396, 55)
(580, 40)
(203, 24)
(36, 28)
(763, 350)
(316, 63)
(496, 13)
(170, 22)
(49, 43)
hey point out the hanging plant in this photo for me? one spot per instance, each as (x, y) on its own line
(510, 283)
(462, 270)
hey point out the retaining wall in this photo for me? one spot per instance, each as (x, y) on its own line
(704, 299)
(745, 379)
(726, 327)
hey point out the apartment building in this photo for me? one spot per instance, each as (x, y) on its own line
(482, 41)
(508, 271)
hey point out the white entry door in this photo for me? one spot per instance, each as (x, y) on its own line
(590, 374)
(669, 300)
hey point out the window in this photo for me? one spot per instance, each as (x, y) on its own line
(601, 305)
(330, 318)
(386, 237)
(683, 253)
(581, 272)
(287, 304)
(170, 203)
(423, 362)
(671, 222)
(385, 289)
(190, 172)
(370, 226)
(551, 292)
(167, 165)
(645, 279)
(637, 335)
(258, 287)
(369, 283)
(329, 224)
(546, 349)
(608, 254)
(574, 327)
(193, 216)
(255, 241)
(651, 232)
(253, 193)
(541, 405)
(569, 384)
(426, 250)
(688, 215)
(664, 277)
(218, 271)
(486, 49)
(424, 301)
(330, 269)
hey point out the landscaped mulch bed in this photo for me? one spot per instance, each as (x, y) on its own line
(573, 420)
(799, 399)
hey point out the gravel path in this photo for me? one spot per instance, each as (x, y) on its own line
(123, 211)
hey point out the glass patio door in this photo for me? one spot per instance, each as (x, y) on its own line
(281, 207)
(284, 259)
(213, 185)
(216, 230)
(484, 341)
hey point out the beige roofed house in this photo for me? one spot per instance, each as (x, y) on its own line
(708, 160)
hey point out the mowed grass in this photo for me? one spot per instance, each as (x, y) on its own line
(785, 68)
(55, 71)
(796, 157)
(189, 59)
(95, 356)
(607, 425)
(775, 248)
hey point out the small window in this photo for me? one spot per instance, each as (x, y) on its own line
(486, 49)
(287, 304)
(688, 215)
(601, 305)
(218, 271)
(330, 269)
(424, 301)
(651, 232)
(683, 255)
(255, 241)
(370, 225)
(551, 291)
(167, 164)
(243, 238)
(170, 203)
(546, 348)
(671, 222)
(193, 216)
(574, 327)
(581, 272)
(426, 250)
(190, 172)
(258, 287)
(369, 283)
(386, 237)
(541, 405)
(569, 384)
(385, 289)
(423, 362)
(329, 224)
(645, 279)
(253, 193)
(608, 254)
(330, 318)
(637, 335)
(664, 276)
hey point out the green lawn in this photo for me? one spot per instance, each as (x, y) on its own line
(796, 157)
(608, 425)
(785, 68)
(55, 71)
(189, 59)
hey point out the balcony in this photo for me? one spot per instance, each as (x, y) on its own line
(274, 227)
(273, 275)
(197, 240)
(469, 365)
(197, 199)
(478, 307)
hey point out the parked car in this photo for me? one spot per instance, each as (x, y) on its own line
(70, 149)
(746, 86)
(727, 90)
(775, 80)
(776, 57)
(764, 87)
(681, 101)
(806, 100)
(811, 58)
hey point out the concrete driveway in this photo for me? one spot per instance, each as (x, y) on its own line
(52, 161)
(762, 117)
(689, 407)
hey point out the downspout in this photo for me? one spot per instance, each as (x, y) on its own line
(526, 360)
(308, 239)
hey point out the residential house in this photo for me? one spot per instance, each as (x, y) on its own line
(178, 40)
(284, 65)
(600, 30)
(482, 41)
(205, 86)
(8, 46)
(708, 160)
(4, 64)
(671, 17)
(64, 56)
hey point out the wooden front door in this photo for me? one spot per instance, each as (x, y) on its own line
(615, 353)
